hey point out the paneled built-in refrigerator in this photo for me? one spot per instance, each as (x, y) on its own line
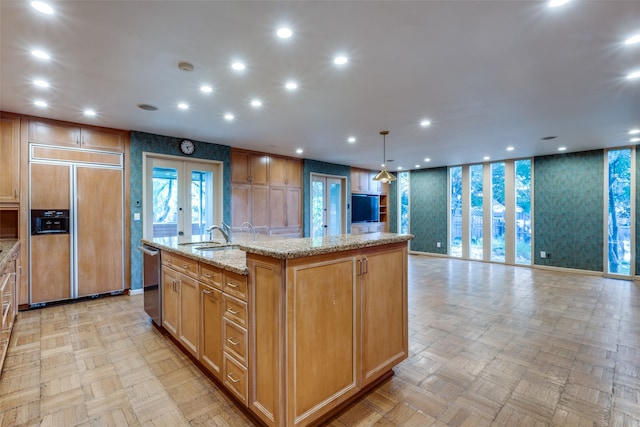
(89, 259)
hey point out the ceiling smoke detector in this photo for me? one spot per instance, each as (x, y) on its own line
(185, 66)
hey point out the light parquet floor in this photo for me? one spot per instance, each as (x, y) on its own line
(490, 345)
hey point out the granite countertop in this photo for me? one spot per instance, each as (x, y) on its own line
(309, 246)
(229, 259)
(235, 259)
(7, 248)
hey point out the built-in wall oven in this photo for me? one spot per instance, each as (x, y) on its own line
(151, 283)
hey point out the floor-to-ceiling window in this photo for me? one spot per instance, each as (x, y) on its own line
(476, 196)
(523, 211)
(455, 209)
(403, 202)
(619, 211)
(498, 213)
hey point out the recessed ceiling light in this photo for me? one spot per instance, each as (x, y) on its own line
(562, 148)
(425, 123)
(633, 75)
(427, 159)
(417, 166)
(351, 139)
(633, 40)
(206, 88)
(486, 158)
(40, 103)
(40, 54)
(399, 168)
(238, 66)
(229, 117)
(90, 113)
(340, 60)
(299, 151)
(634, 131)
(256, 103)
(291, 85)
(634, 140)
(41, 83)
(557, 3)
(43, 7)
(284, 32)
(183, 106)
(510, 148)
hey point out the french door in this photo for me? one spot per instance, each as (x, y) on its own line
(327, 205)
(182, 198)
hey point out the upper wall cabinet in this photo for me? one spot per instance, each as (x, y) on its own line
(284, 171)
(249, 168)
(9, 158)
(49, 132)
(362, 181)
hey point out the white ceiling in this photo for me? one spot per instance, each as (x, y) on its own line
(488, 74)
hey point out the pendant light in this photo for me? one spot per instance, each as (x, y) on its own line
(384, 176)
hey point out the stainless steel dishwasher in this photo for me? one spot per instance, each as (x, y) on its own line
(151, 283)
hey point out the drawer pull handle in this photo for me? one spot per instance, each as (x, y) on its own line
(232, 311)
(206, 292)
(232, 285)
(232, 342)
(233, 380)
(207, 275)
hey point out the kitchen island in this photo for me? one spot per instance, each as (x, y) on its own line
(312, 324)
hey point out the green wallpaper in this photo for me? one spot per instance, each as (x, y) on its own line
(392, 207)
(568, 210)
(428, 209)
(147, 142)
(314, 166)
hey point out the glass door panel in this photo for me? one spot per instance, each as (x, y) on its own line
(455, 208)
(165, 201)
(327, 213)
(523, 211)
(201, 201)
(334, 217)
(317, 207)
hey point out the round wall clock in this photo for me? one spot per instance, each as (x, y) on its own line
(187, 146)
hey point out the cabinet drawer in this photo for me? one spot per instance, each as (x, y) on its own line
(235, 284)
(180, 263)
(235, 341)
(235, 378)
(235, 310)
(211, 275)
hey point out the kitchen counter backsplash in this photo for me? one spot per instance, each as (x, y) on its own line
(232, 256)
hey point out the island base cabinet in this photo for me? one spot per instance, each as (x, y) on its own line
(180, 314)
(323, 329)
(211, 329)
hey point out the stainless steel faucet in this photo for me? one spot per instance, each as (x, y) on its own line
(250, 227)
(224, 233)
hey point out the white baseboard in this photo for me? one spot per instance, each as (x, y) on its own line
(136, 291)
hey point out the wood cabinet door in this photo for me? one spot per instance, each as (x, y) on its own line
(100, 230)
(240, 167)
(322, 361)
(48, 132)
(294, 207)
(260, 169)
(97, 139)
(277, 207)
(50, 264)
(240, 205)
(170, 301)
(355, 181)
(294, 173)
(189, 331)
(260, 206)
(9, 159)
(211, 329)
(278, 171)
(384, 310)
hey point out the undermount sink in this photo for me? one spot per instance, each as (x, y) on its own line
(204, 242)
(217, 248)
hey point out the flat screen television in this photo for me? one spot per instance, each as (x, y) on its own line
(365, 208)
